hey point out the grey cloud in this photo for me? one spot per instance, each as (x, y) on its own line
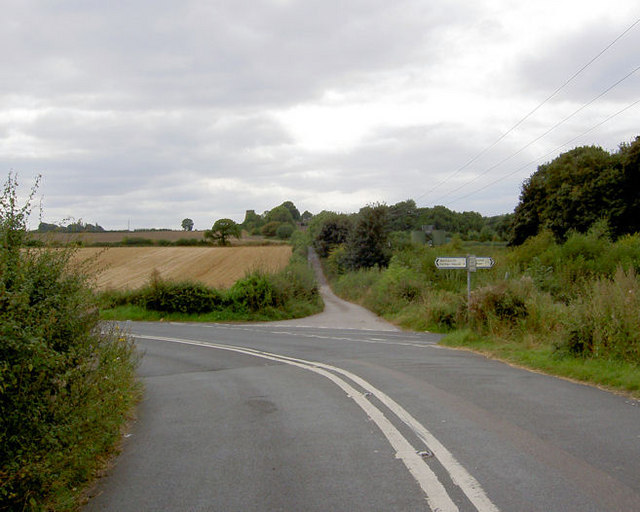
(551, 66)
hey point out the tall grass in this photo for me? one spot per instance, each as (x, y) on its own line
(569, 303)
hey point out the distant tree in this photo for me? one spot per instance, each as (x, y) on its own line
(295, 214)
(403, 216)
(306, 217)
(187, 224)
(280, 214)
(328, 231)
(44, 227)
(222, 230)
(271, 228)
(367, 243)
(284, 231)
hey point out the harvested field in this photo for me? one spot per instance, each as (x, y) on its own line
(131, 267)
(114, 237)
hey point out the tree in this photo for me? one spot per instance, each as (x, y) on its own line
(579, 188)
(403, 216)
(328, 231)
(295, 214)
(187, 224)
(367, 244)
(306, 217)
(279, 214)
(222, 230)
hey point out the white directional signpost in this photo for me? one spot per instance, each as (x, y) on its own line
(469, 263)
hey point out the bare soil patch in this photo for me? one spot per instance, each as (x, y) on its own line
(131, 267)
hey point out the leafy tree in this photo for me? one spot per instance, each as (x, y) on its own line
(252, 221)
(295, 214)
(270, 228)
(222, 230)
(284, 231)
(279, 214)
(577, 189)
(187, 224)
(306, 217)
(329, 230)
(403, 216)
(367, 244)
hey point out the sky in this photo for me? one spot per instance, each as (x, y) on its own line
(139, 114)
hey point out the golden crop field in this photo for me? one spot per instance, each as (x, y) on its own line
(131, 267)
(115, 236)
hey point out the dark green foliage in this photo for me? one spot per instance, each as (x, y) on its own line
(252, 221)
(284, 231)
(281, 214)
(75, 227)
(270, 228)
(579, 188)
(403, 216)
(329, 230)
(289, 293)
(187, 224)
(366, 245)
(447, 220)
(181, 297)
(499, 302)
(222, 231)
(65, 385)
(255, 292)
(295, 214)
(136, 241)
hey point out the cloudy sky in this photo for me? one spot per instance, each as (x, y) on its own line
(144, 112)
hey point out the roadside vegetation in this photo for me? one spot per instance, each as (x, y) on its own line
(66, 380)
(563, 296)
(259, 296)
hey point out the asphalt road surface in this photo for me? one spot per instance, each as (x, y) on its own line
(297, 417)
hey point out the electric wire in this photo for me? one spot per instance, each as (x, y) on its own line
(559, 123)
(546, 100)
(552, 152)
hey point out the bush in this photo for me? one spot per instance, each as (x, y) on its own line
(66, 382)
(255, 292)
(181, 297)
(284, 231)
(496, 306)
(605, 322)
(444, 310)
(270, 228)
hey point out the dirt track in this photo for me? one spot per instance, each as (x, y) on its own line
(338, 313)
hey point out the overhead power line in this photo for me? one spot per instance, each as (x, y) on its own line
(552, 152)
(528, 115)
(559, 123)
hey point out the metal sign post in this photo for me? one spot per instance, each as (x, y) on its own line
(470, 263)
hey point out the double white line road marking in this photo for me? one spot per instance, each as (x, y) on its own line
(436, 494)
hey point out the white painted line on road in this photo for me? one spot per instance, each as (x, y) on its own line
(437, 496)
(374, 341)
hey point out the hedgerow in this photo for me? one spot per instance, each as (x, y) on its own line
(66, 381)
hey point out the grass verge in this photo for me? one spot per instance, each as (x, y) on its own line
(616, 376)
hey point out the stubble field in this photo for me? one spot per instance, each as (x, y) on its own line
(121, 268)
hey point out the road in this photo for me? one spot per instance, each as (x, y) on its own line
(342, 411)
(288, 417)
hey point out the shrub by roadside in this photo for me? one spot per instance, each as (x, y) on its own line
(570, 308)
(290, 293)
(66, 382)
